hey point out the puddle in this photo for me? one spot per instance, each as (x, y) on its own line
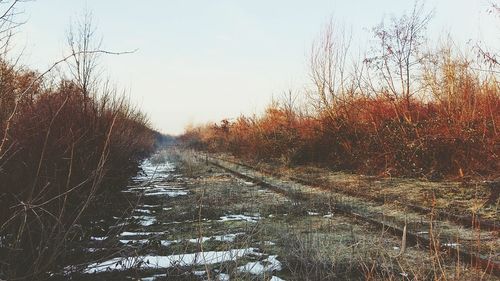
(183, 260)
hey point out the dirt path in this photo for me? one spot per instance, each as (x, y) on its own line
(187, 219)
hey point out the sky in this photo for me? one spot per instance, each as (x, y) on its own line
(200, 61)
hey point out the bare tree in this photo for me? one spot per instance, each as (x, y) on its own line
(8, 23)
(9, 15)
(487, 56)
(29, 213)
(397, 55)
(327, 68)
(83, 66)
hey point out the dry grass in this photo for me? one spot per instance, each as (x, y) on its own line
(60, 149)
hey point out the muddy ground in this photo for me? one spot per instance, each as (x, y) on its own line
(186, 219)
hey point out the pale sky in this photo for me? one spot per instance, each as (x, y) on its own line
(204, 60)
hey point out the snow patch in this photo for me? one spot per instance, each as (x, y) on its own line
(96, 238)
(254, 218)
(145, 220)
(452, 245)
(150, 261)
(223, 238)
(223, 277)
(130, 233)
(136, 241)
(260, 267)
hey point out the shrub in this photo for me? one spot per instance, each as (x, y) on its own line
(61, 149)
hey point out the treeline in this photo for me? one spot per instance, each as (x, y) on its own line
(65, 145)
(403, 109)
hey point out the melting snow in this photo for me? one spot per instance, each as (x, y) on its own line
(453, 245)
(144, 211)
(199, 272)
(153, 172)
(260, 267)
(170, 191)
(129, 233)
(224, 238)
(149, 261)
(254, 218)
(138, 241)
(145, 220)
(157, 190)
(149, 206)
(152, 278)
(223, 277)
(167, 243)
(95, 238)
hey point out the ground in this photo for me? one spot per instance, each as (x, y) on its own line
(188, 219)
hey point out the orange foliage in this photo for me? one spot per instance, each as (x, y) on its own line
(444, 138)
